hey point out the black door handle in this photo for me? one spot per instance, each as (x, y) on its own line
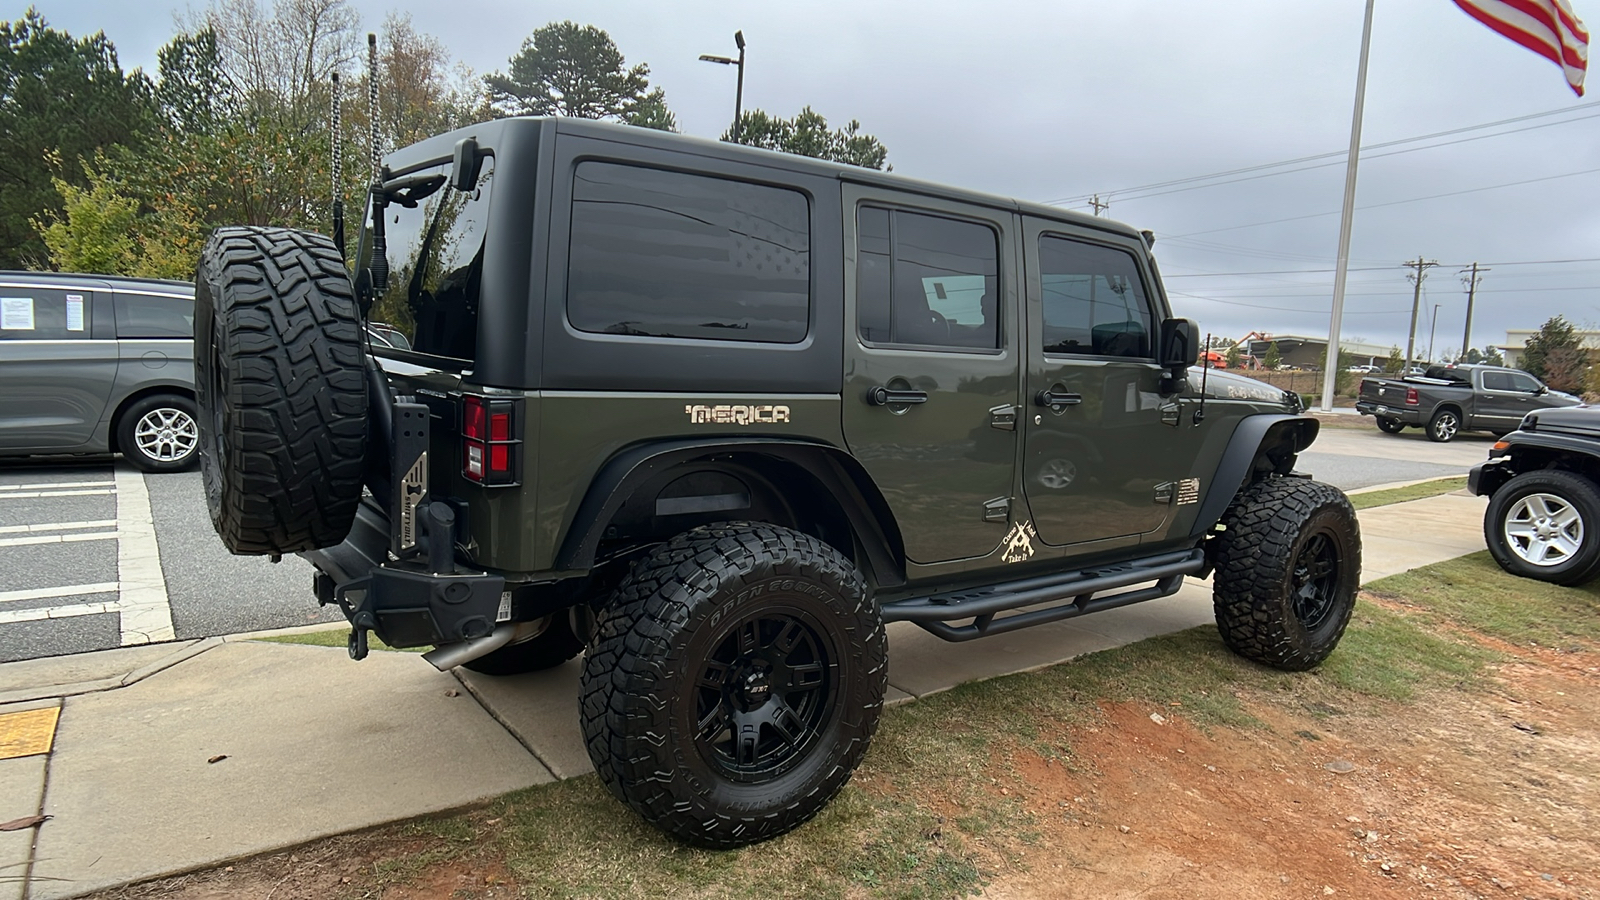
(882, 396)
(1057, 399)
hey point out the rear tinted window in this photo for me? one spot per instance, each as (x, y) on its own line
(926, 280)
(668, 254)
(148, 316)
(1461, 376)
(44, 314)
(436, 269)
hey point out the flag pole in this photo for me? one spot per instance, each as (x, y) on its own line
(1330, 369)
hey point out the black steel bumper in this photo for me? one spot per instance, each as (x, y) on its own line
(1485, 478)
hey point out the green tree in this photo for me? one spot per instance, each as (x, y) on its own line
(1395, 362)
(650, 111)
(1491, 356)
(1234, 358)
(64, 96)
(807, 134)
(190, 91)
(567, 69)
(1273, 358)
(1554, 337)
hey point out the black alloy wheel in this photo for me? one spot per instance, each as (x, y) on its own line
(1315, 581)
(763, 694)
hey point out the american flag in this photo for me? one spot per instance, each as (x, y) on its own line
(1547, 27)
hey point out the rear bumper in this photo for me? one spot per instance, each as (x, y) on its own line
(404, 603)
(1409, 415)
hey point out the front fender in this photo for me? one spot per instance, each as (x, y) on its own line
(1262, 443)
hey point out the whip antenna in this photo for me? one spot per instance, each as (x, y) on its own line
(338, 169)
(380, 258)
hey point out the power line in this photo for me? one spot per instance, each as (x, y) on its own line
(1528, 262)
(1342, 153)
(1491, 187)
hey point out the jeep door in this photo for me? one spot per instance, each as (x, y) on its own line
(1099, 460)
(931, 357)
(57, 364)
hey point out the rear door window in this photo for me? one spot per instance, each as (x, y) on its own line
(44, 314)
(153, 316)
(926, 280)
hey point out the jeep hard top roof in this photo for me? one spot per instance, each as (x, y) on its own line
(525, 130)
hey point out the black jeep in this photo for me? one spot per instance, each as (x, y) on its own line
(716, 415)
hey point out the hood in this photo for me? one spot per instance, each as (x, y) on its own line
(1221, 384)
(1583, 421)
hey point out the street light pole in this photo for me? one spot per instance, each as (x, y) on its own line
(738, 98)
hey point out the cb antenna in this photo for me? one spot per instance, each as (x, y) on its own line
(378, 273)
(338, 170)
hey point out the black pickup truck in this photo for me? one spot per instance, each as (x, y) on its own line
(1449, 399)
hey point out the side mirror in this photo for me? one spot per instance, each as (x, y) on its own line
(468, 163)
(1180, 343)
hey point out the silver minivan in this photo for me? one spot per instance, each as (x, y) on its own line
(95, 364)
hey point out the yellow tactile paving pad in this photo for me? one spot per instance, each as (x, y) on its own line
(28, 733)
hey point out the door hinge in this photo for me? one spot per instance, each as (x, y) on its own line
(997, 510)
(1003, 418)
(1170, 414)
(1164, 492)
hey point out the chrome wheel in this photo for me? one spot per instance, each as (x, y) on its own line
(1544, 529)
(166, 435)
(1445, 426)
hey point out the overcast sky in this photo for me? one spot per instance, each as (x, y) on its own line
(1053, 101)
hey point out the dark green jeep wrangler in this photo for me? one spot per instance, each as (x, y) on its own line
(714, 415)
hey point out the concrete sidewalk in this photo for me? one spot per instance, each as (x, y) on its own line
(162, 759)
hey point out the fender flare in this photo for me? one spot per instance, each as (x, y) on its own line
(1238, 460)
(836, 471)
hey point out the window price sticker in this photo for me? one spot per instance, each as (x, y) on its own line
(16, 313)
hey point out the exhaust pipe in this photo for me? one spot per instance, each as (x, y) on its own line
(451, 655)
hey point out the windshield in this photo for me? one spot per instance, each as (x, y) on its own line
(436, 269)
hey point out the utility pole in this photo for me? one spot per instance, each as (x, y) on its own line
(1418, 277)
(1471, 282)
(1099, 204)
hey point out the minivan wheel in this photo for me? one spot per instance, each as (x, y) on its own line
(734, 683)
(1288, 563)
(1545, 525)
(159, 433)
(281, 384)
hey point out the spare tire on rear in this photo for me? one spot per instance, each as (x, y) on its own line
(281, 385)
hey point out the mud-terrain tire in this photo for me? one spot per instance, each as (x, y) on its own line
(158, 433)
(1565, 507)
(550, 648)
(734, 683)
(1444, 426)
(281, 389)
(1390, 426)
(1288, 564)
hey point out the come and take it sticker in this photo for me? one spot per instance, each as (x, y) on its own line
(1019, 542)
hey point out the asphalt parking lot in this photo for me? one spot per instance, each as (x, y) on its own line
(95, 555)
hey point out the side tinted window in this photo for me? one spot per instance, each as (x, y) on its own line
(667, 254)
(436, 268)
(1094, 301)
(926, 280)
(146, 316)
(1521, 382)
(41, 314)
(1497, 381)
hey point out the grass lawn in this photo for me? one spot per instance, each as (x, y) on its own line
(1368, 499)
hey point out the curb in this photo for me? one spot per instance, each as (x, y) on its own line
(187, 652)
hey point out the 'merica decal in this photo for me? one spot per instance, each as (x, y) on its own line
(737, 415)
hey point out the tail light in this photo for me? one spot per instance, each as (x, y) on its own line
(1411, 397)
(491, 453)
